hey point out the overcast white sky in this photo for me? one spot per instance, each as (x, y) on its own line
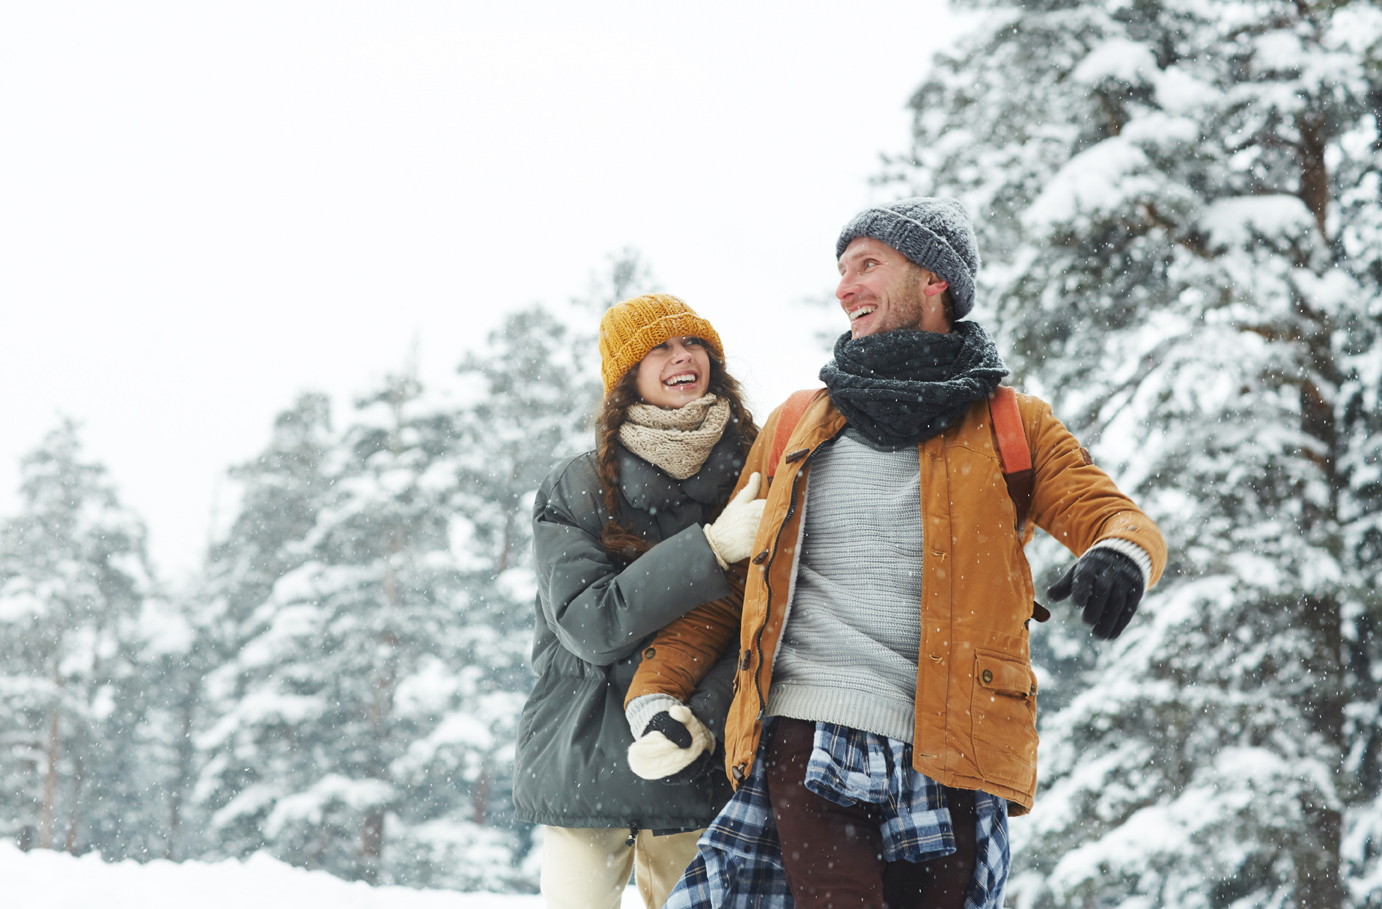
(208, 207)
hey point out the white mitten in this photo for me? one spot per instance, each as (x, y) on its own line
(674, 747)
(731, 536)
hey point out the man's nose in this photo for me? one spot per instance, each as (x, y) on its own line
(845, 289)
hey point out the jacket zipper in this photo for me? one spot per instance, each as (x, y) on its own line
(767, 584)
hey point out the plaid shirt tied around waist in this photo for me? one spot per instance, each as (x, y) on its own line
(739, 865)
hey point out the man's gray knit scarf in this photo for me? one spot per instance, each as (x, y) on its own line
(905, 386)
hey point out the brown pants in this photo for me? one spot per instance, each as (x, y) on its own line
(833, 856)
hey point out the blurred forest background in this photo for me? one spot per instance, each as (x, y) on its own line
(1179, 205)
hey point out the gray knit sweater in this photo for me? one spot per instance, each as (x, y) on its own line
(849, 651)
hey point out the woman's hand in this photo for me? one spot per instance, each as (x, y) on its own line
(731, 536)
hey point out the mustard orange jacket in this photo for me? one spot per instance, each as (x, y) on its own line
(976, 692)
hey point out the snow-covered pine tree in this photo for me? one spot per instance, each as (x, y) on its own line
(529, 392)
(319, 723)
(280, 493)
(1180, 210)
(532, 391)
(173, 657)
(74, 581)
(429, 499)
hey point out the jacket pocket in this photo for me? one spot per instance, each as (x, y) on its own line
(1003, 710)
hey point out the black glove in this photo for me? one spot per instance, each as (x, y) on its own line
(674, 748)
(1107, 585)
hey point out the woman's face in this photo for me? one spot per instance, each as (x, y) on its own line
(674, 373)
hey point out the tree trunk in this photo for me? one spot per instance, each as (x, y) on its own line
(186, 755)
(1314, 173)
(371, 846)
(74, 812)
(380, 708)
(372, 829)
(479, 801)
(506, 546)
(1318, 882)
(50, 780)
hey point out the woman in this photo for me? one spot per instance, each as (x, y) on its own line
(626, 539)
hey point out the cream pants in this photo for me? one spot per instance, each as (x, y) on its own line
(588, 868)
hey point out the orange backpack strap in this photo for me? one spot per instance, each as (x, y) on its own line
(787, 421)
(1013, 451)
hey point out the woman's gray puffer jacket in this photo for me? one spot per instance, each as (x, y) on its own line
(593, 621)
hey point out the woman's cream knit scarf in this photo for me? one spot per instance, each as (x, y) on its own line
(678, 441)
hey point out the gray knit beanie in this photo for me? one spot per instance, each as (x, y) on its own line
(934, 232)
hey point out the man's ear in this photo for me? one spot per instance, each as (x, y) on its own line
(935, 286)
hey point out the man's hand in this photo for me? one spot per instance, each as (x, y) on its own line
(1107, 585)
(731, 536)
(674, 747)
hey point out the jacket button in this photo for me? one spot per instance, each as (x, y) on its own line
(649, 653)
(738, 773)
(1033, 691)
(761, 557)
(744, 663)
(934, 658)
(797, 455)
(987, 677)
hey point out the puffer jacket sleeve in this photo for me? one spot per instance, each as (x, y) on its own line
(596, 610)
(1076, 502)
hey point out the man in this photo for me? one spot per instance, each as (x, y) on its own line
(885, 711)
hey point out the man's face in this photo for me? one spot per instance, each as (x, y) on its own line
(674, 373)
(881, 290)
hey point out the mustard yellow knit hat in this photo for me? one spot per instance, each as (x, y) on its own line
(630, 329)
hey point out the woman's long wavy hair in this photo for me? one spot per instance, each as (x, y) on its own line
(619, 539)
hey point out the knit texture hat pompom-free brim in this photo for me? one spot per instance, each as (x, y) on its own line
(932, 231)
(630, 329)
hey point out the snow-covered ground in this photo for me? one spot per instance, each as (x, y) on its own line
(54, 880)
